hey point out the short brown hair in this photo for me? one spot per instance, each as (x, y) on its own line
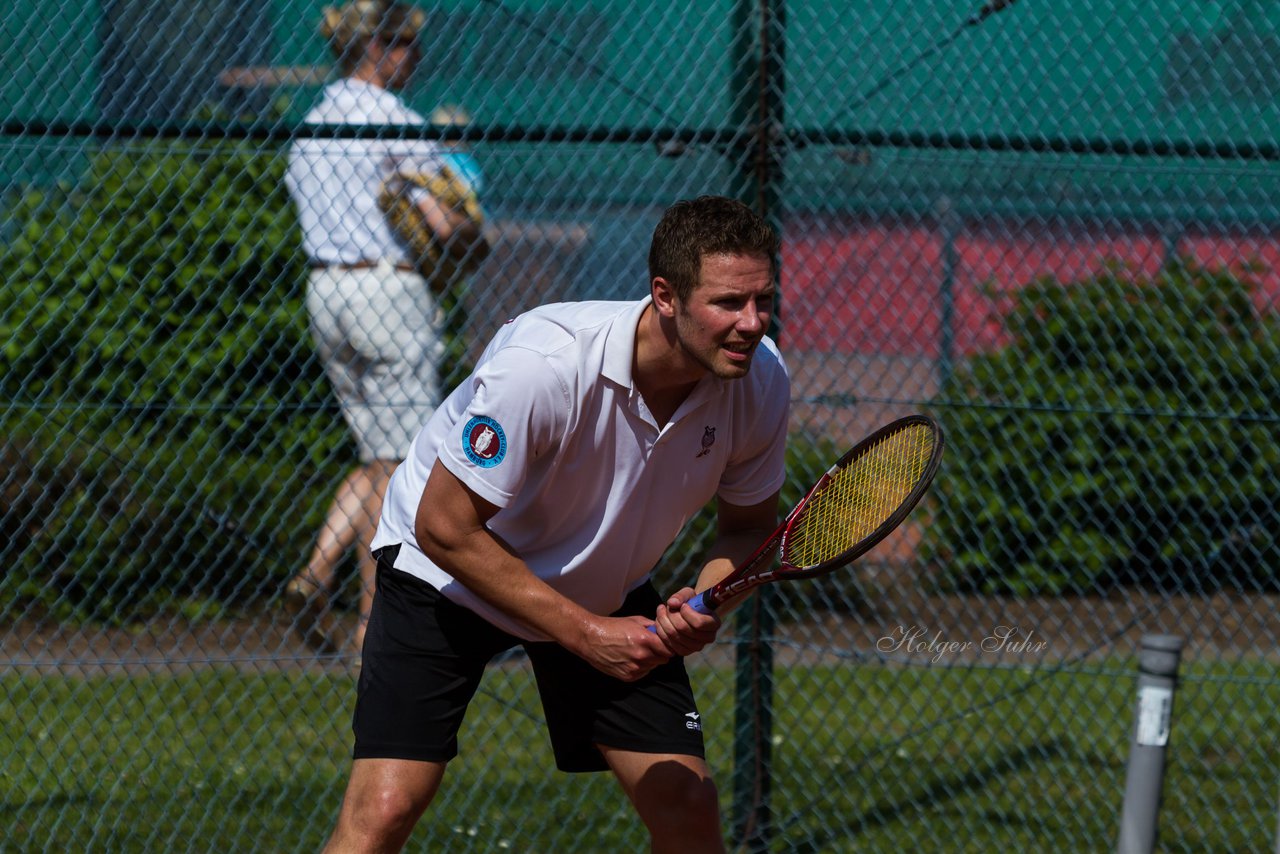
(708, 225)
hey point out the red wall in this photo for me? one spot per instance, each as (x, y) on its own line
(876, 287)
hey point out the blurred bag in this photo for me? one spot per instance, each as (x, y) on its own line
(440, 267)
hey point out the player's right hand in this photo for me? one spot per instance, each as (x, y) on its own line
(684, 630)
(622, 647)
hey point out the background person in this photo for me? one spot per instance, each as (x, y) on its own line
(535, 503)
(373, 313)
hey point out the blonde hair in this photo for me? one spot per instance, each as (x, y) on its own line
(349, 28)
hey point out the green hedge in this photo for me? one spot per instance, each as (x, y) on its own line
(162, 410)
(1127, 434)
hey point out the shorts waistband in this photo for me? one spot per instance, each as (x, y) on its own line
(389, 553)
(362, 265)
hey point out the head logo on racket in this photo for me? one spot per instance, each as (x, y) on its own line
(484, 441)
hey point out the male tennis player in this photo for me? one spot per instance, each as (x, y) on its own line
(533, 506)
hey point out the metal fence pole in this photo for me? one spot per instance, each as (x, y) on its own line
(758, 112)
(751, 824)
(949, 226)
(1157, 677)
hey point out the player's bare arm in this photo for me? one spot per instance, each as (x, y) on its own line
(740, 529)
(450, 527)
(456, 231)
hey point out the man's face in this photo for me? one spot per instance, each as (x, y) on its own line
(719, 327)
(397, 61)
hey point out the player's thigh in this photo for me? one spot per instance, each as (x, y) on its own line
(670, 791)
(585, 708)
(635, 769)
(423, 659)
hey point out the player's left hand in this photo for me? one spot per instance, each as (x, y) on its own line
(683, 629)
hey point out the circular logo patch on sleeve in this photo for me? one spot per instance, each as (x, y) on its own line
(484, 442)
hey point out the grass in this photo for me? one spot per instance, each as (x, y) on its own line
(865, 758)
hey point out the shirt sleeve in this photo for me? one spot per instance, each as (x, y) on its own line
(518, 413)
(407, 156)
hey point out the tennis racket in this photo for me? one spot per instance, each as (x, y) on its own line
(864, 496)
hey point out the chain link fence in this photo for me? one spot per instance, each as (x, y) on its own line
(1049, 225)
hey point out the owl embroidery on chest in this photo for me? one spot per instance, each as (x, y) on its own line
(708, 439)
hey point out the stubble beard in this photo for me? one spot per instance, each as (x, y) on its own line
(710, 358)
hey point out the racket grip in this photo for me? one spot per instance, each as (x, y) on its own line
(696, 603)
(699, 604)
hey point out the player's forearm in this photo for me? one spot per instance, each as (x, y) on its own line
(725, 555)
(727, 552)
(491, 570)
(456, 231)
(740, 531)
(450, 527)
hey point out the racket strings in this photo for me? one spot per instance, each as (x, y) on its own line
(860, 497)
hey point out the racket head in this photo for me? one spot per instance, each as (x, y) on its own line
(865, 495)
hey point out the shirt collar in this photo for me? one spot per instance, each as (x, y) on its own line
(357, 85)
(619, 357)
(620, 344)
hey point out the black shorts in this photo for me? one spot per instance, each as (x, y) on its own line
(424, 656)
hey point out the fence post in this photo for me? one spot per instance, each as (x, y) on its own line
(753, 726)
(949, 226)
(1144, 779)
(759, 59)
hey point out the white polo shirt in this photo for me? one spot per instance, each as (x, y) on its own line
(592, 491)
(335, 182)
